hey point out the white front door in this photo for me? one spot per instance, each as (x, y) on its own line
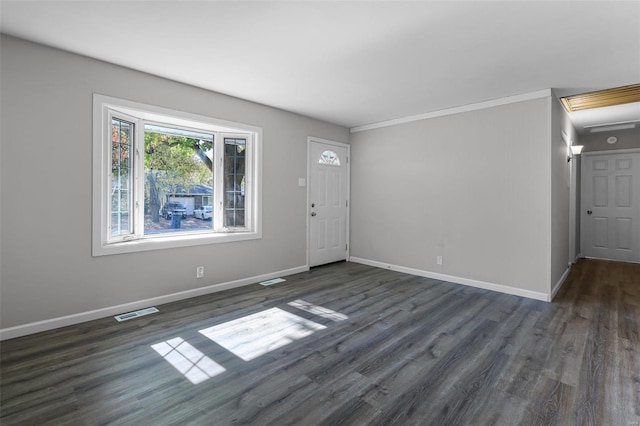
(328, 198)
(610, 205)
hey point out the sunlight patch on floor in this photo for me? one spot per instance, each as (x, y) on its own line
(254, 335)
(189, 361)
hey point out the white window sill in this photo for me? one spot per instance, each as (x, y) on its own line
(174, 241)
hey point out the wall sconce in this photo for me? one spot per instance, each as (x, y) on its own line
(575, 150)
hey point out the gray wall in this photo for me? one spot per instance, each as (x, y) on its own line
(627, 139)
(578, 181)
(46, 266)
(560, 190)
(473, 187)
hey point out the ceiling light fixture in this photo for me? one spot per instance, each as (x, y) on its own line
(602, 98)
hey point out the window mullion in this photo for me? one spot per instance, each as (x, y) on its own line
(218, 181)
(138, 168)
(248, 199)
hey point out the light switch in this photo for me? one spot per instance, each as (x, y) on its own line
(301, 182)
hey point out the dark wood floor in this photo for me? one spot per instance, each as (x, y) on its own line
(396, 349)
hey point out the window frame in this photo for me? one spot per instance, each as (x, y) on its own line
(134, 122)
(219, 184)
(104, 109)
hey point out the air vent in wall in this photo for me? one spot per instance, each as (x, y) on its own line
(136, 314)
(271, 282)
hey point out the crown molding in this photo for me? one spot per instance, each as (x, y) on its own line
(456, 110)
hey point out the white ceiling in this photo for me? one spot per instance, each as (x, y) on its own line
(352, 63)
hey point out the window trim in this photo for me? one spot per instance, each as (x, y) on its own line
(101, 244)
(133, 121)
(219, 186)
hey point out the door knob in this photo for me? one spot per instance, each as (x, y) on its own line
(589, 212)
(313, 213)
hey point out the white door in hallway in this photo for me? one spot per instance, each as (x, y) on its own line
(328, 201)
(610, 204)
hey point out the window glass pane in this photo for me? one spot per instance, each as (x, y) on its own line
(234, 181)
(329, 158)
(121, 140)
(178, 180)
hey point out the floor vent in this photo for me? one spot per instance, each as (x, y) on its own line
(136, 314)
(273, 281)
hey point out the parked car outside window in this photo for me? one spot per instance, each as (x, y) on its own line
(169, 208)
(203, 212)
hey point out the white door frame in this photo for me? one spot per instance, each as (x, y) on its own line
(582, 162)
(311, 139)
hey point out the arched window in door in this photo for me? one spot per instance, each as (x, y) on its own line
(329, 158)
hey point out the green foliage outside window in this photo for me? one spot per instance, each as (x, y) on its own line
(174, 163)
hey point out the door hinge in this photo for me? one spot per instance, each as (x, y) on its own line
(347, 203)
(346, 246)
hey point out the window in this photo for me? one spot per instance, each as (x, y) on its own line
(234, 181)
(166, 178)
(329, 158)
(121, 136)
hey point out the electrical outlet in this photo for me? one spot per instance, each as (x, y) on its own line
(200, 272)
(439, 260)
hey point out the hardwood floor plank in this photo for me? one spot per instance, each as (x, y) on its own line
(552, 403)
(403, 406)
(329, 398)
(506, 410)
(41, 406)
(457, 401)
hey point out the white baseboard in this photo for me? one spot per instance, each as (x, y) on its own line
(457, 280)
(556, 287)
(50, 324)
